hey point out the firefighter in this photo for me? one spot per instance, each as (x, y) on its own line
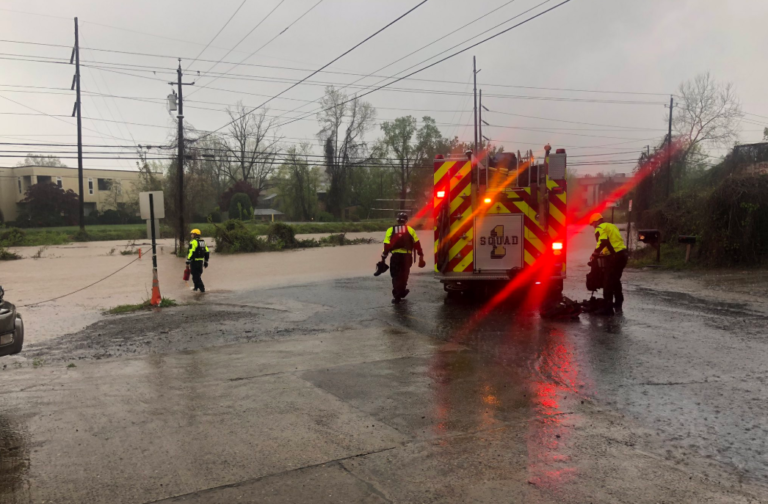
(197, 259)
(401, 240)
(612, 253)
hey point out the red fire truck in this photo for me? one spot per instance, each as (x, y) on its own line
(493, 223)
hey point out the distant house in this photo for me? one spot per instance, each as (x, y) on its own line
(268, 201)
(101, 187)
(591, 190)
(268, 214)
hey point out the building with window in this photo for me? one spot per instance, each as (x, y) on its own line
(104, 189)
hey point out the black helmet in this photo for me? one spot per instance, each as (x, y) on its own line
(402, 218)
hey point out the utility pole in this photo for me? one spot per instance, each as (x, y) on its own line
(180, 167)
(76, 85)
(474, 76)
(669, 147)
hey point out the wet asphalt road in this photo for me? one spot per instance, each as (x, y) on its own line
(327, 393)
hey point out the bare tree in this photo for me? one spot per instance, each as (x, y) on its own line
(343, 124)
(41, 160)
(252, 147)
(708, 113)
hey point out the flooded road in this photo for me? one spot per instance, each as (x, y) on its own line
(322, 391)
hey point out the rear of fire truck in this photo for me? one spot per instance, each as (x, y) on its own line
(499, 220)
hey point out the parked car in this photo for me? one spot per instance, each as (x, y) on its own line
(11, 328)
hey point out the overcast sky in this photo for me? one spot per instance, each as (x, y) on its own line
(611, 46)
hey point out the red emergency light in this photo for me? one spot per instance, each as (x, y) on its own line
(441, 194)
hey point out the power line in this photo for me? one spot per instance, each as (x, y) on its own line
(217, 34)
(330, 62)
(454, 54)
(261, 47)
(246, 77)
(423, 47)
(246, 36)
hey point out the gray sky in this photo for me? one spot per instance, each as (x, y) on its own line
(644, 46)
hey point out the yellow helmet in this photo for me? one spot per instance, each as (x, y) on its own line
(594, 218)
(195, 231)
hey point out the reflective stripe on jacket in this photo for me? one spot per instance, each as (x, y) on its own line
(198, 251)
(402, 237)
(608, 231)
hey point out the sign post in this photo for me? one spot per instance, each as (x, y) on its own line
(629, 227)
(147, 202)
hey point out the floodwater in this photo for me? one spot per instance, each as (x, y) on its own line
(63, 269)
(295, 380)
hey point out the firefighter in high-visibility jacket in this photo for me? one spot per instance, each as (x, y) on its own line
(611, 253)
(401, 240)
(197, 259)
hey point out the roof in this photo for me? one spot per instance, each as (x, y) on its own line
(266, 211)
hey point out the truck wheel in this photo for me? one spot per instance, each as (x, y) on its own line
(18, 337)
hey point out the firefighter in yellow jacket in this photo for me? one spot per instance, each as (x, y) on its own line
(401, 240)
(197, 259)
(612, 253)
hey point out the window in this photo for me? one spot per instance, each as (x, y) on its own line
(20, 191)
(43, 179)
(90, 186)
(58, 181)
(104, 184)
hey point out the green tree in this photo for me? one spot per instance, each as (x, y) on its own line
(47, 204)
(240, 207)
(298, 184)
(410, 148)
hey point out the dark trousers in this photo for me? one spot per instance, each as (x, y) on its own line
(196, 269)
(399, 269)
(614, 267)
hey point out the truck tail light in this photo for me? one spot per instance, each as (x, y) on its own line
(441, 194)
(557, 247)
(488, 201)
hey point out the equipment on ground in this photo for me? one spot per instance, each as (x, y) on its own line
(494, 224)
(595, 276)
(11, 328)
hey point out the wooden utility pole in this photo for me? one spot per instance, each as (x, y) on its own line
(76, 86)
(180, 167)
(669, 147)
(474, 76)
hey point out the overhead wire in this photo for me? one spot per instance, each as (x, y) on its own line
(260, 47)
(330, 62)
(245, 37)
(217, 34)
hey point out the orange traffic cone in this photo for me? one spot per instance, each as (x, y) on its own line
(156, 299)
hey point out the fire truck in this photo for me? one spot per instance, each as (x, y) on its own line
(492, 223)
